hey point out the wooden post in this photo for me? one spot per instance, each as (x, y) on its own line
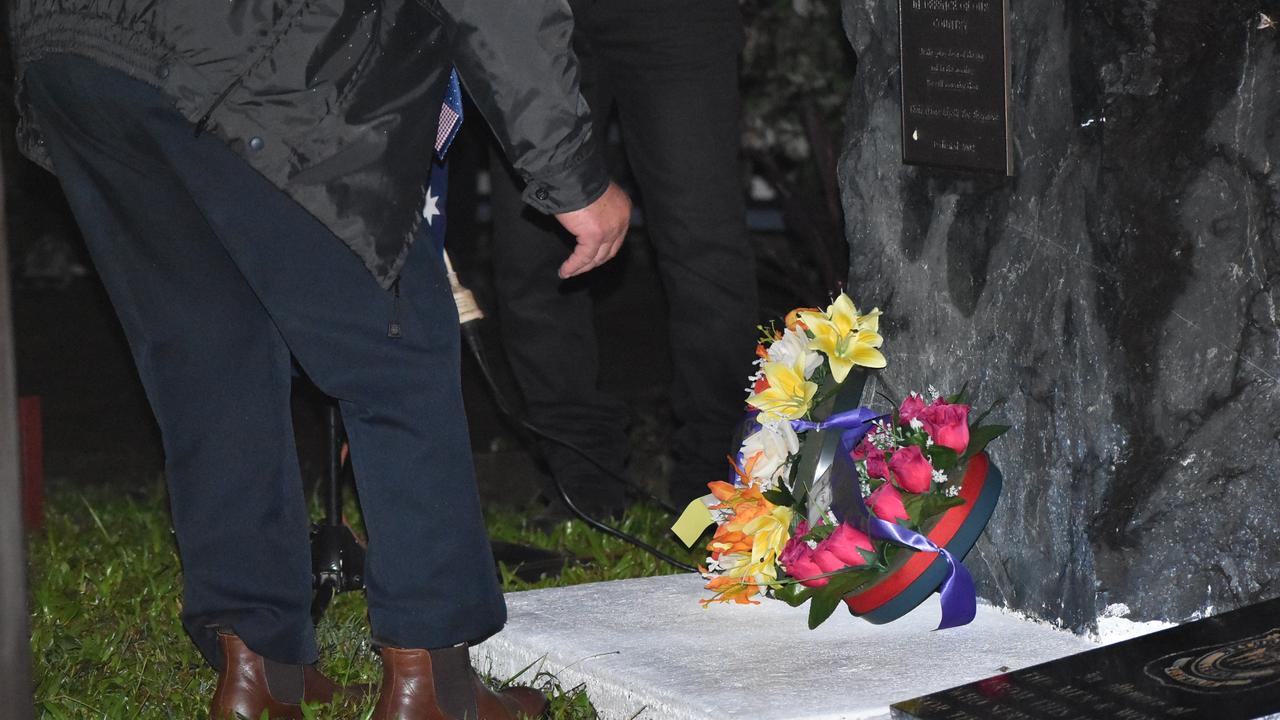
(15, 638)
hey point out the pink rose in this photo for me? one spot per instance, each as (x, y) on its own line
(844, 545)
(797, 559)
(874, 456)
(886, 503)
(827, 560)
(911, 469)
(911, 408)
(876, 465)
(947, 424)
(839, 551)
(807, 571)
(795, 547)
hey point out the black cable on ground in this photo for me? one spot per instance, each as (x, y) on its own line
(471, 332)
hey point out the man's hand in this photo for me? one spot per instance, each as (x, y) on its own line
(599, 229)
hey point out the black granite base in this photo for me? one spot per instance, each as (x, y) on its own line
(1225, 668)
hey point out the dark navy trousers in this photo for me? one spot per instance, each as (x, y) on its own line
(220, 281)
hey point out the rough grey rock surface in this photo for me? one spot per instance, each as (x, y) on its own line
(1120, 293)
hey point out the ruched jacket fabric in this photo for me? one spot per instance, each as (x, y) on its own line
(336, 102)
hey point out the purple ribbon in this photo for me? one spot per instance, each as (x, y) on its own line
(855, 423)
(959, 600)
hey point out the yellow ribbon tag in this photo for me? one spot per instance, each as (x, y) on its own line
(695, 518)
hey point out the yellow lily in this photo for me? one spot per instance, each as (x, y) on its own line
(845, 337)
(758, 526)
(788, 395)
(769, 534)
(741, 580)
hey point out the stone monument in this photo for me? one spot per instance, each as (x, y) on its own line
(1121, 291)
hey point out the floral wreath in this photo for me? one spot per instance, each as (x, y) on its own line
(779, 536)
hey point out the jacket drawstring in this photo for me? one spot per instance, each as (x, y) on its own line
(393, 329)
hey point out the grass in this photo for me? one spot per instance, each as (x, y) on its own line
(105, 602)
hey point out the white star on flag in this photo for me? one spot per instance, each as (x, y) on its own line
(432, 209)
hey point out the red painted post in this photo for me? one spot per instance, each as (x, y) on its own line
(31, 439)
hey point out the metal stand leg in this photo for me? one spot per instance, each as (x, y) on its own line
(337, 556)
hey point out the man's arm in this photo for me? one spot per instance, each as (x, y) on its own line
(515, 59)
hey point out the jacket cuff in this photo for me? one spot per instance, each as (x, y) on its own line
(571, 187)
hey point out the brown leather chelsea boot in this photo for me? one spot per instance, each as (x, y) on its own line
(244, 692)
(441, 685)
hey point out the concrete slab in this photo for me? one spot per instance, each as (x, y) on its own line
(645, 649)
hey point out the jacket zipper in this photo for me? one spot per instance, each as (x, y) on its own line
(203, 122)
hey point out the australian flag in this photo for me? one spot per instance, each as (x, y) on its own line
(438, 189)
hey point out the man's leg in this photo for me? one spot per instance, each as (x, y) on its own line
(675, 69)
(215, 369)
(429, 573)
(548, 329)
(431, 581)
(430, 576)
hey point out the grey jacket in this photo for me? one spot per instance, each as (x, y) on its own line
(336, 102)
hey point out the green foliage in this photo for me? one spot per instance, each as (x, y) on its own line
(980, 437)
(106, 636)
(780, 496)
(827, 598)
(793, 594)
(599, 557)
(975, 422)
(105, 599)
(824, 600)
(819, 532)
(925, 506)
(960, 397)
(942, 458)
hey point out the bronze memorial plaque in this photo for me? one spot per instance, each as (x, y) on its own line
(955, 84)
(1225, 667)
